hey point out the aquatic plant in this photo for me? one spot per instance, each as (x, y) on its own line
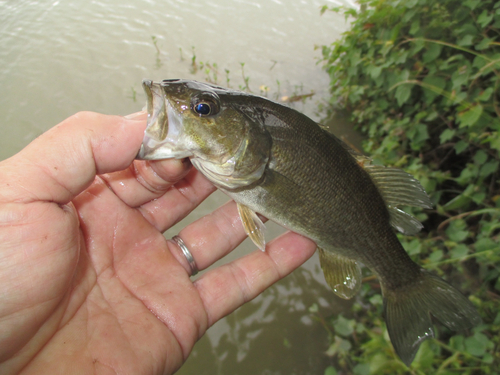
(421, 79)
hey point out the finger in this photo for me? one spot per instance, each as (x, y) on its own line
(178, 202)
(226, 288)
(62, 162)
(211, 237)
(146, 180)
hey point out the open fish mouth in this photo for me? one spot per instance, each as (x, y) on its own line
(164, 125)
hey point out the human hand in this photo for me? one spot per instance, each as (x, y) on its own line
(88, 283)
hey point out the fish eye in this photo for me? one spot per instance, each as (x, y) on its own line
(205, 107)
(202, 109)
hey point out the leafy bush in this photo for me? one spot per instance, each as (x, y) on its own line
(421, 79)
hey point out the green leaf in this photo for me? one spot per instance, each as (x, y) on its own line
(457, 342)
(461, 146)
(403, 93)
(466, 41)
(460, 201)
(446, 135)
(413, 247)
(313, 308)
(374, 71)
(468, 175)
(497, 319)
(485, 244)
(378, 363)
(405, 74)
(376, 300)
(477, 344)
(343, 326)
(480, 157)
(459, 251)
(479, 198)
(410, 3)
(484, 18)
(485, 95)
(436, 256)
(483, 44)
(495, 143)
(470, 116)
(456, 232)
(460, 77)
(330, 370)
(458, 236)
(433, 87)
(415, 27)
(362, 369)
(458, 98)
(488, 168)
(432, 53)
(417, 134)
(472, 4)
(488, 359)
(401, 57)
(339, 345)
(425, 356)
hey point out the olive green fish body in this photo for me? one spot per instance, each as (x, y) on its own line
(275, 161)
(315, 187)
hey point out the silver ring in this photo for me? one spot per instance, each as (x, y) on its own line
(187, 254)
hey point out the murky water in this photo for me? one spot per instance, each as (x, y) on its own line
(58, 57)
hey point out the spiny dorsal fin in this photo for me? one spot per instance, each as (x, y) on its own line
(254, 227)
(343, 275)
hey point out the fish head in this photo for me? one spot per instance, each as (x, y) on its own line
(213, 126)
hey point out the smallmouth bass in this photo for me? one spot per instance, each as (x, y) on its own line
(275, 161)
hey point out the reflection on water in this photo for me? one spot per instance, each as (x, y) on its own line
(274, 334)
(60, 56)
(63, 56)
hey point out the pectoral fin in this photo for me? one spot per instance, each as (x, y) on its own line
(343, 275)
(254, 227)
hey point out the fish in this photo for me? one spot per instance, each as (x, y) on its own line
(276, 162)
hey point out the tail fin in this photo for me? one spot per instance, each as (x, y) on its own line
(408, 309)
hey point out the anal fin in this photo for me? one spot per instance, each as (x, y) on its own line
(254, 227)
(342, 274)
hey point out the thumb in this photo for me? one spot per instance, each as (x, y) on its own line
(64, 161)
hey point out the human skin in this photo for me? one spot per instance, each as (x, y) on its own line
(88, 283)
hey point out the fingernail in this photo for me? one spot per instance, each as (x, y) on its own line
(136, 115)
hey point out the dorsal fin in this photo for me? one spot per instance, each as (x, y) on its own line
(397, 188)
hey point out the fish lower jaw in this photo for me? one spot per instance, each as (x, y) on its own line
(154, 150)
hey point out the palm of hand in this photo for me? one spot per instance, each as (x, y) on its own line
(102, 285)
(87, 280)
